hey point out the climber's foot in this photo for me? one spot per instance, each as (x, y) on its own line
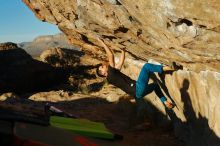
(176, 66)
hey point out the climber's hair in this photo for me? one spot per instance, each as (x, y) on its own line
(98, 72)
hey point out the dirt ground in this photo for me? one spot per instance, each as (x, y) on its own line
(120, 117)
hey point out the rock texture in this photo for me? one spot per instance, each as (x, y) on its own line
(187, 32)
(60, 57)
(20, 73)
(196, 95)
(80, 67)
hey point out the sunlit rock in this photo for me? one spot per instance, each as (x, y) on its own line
(187, 32)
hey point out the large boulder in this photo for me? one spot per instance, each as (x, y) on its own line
(187, 32)
(61, 57)
(20, 73)
(79, 65)
(195, 118)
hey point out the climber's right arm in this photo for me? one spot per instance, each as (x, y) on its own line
(109, 53)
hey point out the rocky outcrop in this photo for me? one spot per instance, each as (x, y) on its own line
(186, 31)
(60, 57)
(183, 31)
(196, 95)
(41, 43)
(80, 67)
(20, 73)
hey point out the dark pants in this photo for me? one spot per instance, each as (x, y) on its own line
(142, 86)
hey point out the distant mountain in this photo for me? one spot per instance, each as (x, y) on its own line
(42, 43)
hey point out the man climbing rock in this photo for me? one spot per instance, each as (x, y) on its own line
(138, 89)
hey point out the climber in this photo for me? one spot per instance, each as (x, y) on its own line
(138, 89)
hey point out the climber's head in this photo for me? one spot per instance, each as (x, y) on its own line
(102, 70)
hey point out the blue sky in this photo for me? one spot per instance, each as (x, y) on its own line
(18, 23)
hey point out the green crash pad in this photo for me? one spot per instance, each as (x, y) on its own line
(82, 127)
(53, 136)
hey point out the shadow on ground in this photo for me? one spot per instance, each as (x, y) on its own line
(120, 117)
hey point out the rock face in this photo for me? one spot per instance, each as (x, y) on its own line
(187, 32)
(20, 73)
(196, 95)
(79, 65)
(60, 57)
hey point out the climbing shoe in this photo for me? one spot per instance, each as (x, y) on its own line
(176, 66)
